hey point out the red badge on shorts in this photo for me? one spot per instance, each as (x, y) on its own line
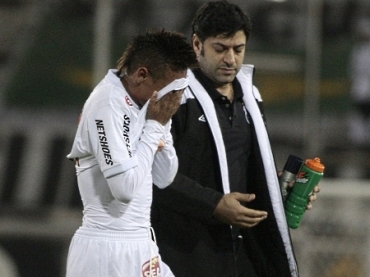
(151, 268)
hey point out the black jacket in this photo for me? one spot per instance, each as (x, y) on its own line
(193, 242)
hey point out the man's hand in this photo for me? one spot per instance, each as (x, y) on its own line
(313, 197)
(230, 211)
(165, 108)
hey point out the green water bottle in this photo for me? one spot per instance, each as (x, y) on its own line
(308, 177)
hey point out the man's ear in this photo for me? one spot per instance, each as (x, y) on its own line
(197, 45)
(141, 74)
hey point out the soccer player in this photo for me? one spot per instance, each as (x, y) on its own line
(123, 144)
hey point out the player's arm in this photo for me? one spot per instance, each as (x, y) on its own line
(165, 163)
(125, 185)
(125, 172)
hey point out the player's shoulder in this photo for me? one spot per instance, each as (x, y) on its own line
(108, 93)
(107, 101)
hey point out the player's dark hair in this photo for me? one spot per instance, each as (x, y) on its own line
(220, 18)
(158, 51)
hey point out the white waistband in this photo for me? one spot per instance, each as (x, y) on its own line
(138, 235)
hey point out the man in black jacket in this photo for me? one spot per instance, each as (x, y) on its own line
(223, 215)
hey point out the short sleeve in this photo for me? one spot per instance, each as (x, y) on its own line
(109, 135)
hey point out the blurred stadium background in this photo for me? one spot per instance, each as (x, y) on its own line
(52, 52)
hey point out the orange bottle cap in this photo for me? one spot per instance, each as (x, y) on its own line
(315, 164)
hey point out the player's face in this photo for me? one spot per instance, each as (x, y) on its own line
(157, 85)
(170, 76)
(220, 58)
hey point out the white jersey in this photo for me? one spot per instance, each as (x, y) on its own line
(115, 164)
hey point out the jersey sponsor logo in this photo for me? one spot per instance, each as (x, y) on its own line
(151, 268)
(128, 101)
(103, 141)
(202, 118)
(126, 133)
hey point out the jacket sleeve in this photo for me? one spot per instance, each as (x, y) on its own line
(187, 197)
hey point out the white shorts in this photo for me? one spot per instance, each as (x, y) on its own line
(97, 253)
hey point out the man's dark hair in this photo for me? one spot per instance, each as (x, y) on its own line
(220, 18)
(158, 51)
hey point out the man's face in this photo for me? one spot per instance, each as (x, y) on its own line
(221, 58)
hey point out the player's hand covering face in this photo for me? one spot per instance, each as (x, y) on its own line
(165, 108)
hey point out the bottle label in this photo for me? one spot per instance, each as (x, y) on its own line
(302, 177)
